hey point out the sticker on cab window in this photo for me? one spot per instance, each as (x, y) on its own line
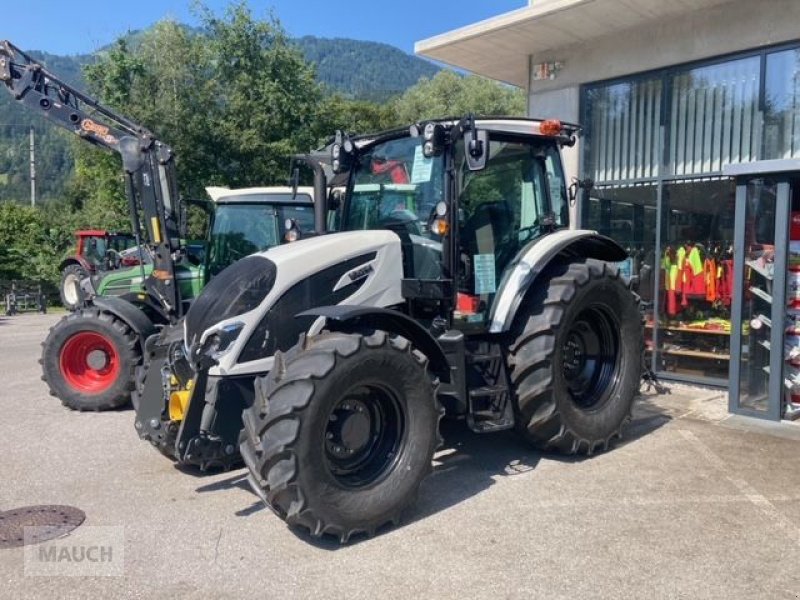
(485, 278)
(422, 168)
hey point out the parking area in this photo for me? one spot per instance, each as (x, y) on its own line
(691, 504)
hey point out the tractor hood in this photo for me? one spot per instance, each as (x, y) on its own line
(249, 310)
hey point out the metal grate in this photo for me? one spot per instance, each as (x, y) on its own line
(50, 521)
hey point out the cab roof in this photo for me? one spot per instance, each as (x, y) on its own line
(274, 194)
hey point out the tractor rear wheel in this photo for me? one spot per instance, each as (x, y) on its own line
(71, 278)
(89, 360)
(342, 432)
(575, 364)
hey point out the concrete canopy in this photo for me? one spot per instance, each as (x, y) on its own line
(499, 47)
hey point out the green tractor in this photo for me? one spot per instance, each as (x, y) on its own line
(96, 251)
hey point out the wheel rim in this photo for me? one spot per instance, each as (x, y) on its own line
(89, 362)
(71, 283)
(591, 356)
(363, 436)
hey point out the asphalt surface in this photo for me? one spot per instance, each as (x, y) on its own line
(691, 504)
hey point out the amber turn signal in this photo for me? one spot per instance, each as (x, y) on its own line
(550, 127)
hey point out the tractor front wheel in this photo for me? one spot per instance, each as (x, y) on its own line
(342, 432)
(576, 361)
(89, 360)
(70, 292)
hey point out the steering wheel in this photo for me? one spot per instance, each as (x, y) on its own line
(401, 218)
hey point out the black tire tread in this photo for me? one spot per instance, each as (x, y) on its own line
(131, 349)
(530, 358)
(273, 468)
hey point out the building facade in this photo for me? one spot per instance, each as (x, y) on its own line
(670, 94)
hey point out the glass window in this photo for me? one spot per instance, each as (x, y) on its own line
(782, 105)
(714, 118)
(506, 205)
(622, 125)
(695, 284)
(759, 247)
(395, 187)
(627, 214)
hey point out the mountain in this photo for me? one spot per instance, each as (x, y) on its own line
(355, 68)
(364, 70)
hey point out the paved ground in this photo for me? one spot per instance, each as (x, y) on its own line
(691, 505)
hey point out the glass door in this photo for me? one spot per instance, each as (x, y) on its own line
(759, 296)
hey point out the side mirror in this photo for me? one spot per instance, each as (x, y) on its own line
(476, 145)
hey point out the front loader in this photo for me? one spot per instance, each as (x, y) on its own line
(456, 287)
(90, 357)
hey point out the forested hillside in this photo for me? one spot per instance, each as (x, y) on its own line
(365, 70)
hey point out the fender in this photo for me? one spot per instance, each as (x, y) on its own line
(343, 317)
(127, 312)
(76, 260)
(532, 260)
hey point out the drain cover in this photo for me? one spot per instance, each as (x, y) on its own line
(51, 521)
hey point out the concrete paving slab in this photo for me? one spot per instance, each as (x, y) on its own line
(686, 506)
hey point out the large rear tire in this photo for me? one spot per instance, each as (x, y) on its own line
(576, 361)
(342, 432)
(69, 290)
(89, 360)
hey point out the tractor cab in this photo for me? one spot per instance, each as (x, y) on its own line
(459, 234)
(250, 220)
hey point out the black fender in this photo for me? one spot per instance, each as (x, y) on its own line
(526, 267)
(127, 312)
(343, 317)
(76, 260)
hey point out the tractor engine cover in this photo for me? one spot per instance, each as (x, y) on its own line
(256, 300)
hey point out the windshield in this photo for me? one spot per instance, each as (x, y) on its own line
(241, 229)
(394, 187)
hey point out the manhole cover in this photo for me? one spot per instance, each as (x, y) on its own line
(50, 521)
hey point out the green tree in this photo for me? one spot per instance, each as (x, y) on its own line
(451, 94)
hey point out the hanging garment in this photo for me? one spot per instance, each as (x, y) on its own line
(710, 275)
(672, 276)
(726, 282)
(695, 282)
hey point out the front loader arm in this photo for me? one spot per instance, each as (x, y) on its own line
(149, 165)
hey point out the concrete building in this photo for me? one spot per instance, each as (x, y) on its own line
(669, 93)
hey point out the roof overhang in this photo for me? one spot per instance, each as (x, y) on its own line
(500, 47)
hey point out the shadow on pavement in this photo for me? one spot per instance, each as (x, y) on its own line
(466, 465)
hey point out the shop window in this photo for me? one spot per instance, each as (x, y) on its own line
(782, 105)
(627, 214)
(695, 285)
(622, 130)
(714, 118)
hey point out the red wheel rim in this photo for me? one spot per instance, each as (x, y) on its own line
(89, 362)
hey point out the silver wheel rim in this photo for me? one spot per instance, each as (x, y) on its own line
(71, 283)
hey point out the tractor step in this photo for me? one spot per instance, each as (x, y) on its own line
(495, 412)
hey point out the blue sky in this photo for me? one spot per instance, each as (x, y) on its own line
(80, 26)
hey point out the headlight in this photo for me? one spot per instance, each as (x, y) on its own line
(219, 342)
(215, 346)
